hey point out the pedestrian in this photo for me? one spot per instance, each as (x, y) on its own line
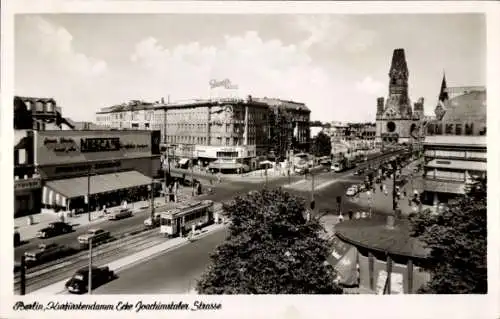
(341, 218)
(404, 193)
(381, 187)
(350, 214)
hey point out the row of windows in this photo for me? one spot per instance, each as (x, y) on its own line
(195, 215)
(40, 106)
(219, 141)
(456, 154)
(445, 175)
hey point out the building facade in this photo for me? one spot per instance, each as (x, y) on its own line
(397, 122)
(53, 159)
(289, 127)
(31, 114)
(455, 147)
(232, 131)
(224, 133)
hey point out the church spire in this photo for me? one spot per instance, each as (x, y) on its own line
(443, 94)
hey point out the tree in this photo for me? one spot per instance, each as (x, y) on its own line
(322, 145)
(272, 248)
(457, 241)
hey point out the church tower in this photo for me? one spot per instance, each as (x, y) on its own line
(443, 98)
(395, 120)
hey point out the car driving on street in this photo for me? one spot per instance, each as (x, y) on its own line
(79, 283)
(97, 236)
(54, 229)
(45, 253)
(122, 213)
(351, 191)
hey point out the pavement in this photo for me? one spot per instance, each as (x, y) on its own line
(28, 230)
(136, 259)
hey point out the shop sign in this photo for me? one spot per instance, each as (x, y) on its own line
(90, 145)
(25, 184)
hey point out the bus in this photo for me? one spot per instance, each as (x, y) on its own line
(182, 219)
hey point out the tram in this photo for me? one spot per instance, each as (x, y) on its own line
(182, 219)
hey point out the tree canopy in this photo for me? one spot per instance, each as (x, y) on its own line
(322, 145)
(457, 241)
(272, 248)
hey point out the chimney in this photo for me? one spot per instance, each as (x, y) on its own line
(162, 100)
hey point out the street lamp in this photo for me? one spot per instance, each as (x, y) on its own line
(89, 289)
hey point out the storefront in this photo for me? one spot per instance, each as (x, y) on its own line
(81, 169)
(27, 197)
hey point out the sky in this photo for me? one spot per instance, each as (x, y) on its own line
(336, 64)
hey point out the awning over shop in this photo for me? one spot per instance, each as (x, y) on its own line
(228, 165)
(344, 259)
(58, 191)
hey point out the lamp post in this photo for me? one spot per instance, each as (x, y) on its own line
(88, 193)
(89, 289)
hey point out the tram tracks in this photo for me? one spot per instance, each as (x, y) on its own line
(50, 273)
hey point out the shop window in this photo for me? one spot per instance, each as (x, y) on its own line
(449, 128)
(458, 129)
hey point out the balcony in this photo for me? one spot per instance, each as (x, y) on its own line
(444, 186)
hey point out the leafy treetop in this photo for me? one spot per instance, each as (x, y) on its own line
(272, 248)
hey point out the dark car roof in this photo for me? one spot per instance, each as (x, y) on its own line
(85, 270)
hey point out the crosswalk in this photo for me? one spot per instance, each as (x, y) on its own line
(319, 183)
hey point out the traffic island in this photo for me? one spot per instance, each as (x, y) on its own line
(381, 251)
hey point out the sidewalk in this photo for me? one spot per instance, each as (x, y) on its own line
(132, 260)
(81, 220)
(383, 203)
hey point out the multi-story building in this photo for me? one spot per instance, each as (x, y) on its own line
(31, 114)
(289, 126)
(56, 167)
(234, 132)
(455, 147)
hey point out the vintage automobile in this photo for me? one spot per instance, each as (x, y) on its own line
(79, 283)
(45, 252)
(149, 224)
(97, 236)
(122, 213)
(54, 229)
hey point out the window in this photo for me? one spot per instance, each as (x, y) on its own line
(39, 106)
(49, 106)
(481, 155)
(146, 125)
(458, 129)
(21, 159)
(28, 105)
(469, 128)
(449, 128)
(450, 175)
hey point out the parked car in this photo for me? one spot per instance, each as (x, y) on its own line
(148, 223)
(122, 213)
(362, 187)
(54, 229)
(78, 284)
(359, 171)
(45, 252)
(96, 234)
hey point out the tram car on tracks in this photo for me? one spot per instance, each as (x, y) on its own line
(182, 219)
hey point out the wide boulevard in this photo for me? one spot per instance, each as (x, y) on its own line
(176, 272)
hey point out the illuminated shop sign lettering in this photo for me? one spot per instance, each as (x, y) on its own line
(100, 144)
(90, 145)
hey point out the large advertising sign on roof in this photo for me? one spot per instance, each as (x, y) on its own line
(65, 147)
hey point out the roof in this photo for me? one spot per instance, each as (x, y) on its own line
(290, 105)
(78, 186)
(458, 164)
(35, 99)
(456, 140)
(469, 107)
(179, 104)
(372, 233)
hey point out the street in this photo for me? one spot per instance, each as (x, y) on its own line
(173, 272)
(176, 271)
